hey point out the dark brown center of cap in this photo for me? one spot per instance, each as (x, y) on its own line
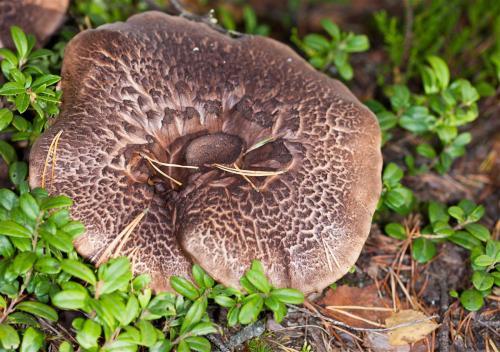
(213, 148)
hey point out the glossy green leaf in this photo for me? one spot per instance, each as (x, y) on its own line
(479, 231)
(251, 309)
(32, 340)
(423, 250)
(194, 314)
(184, 287)
(9, 338)
(70, 299)
(87, 337)
(395, 230)
(78, 270)
(198, 343)
(288, 295)
(39, 309)
(472, 300)
(482, 280)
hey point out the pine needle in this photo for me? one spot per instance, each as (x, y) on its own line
(117, 244)
(170, 165)
(247, 179)
(253, 173)
(261, 144)
(164, 174)
(51, 153)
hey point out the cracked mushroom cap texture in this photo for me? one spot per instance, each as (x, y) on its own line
(177, 91)
(38, 17)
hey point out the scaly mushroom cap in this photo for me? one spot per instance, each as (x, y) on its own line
(179, 92)
(38, 17)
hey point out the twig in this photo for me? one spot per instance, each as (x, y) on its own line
(339, 323)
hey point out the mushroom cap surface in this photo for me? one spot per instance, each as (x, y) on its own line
(38, 17)
(169, 88)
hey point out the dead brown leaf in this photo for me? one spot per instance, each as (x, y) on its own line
(348, 297)
(412, 333)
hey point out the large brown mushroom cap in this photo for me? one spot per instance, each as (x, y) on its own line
(38, 17)
(177, 90)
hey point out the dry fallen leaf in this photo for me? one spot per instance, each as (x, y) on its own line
(411, 333)
(360, 297)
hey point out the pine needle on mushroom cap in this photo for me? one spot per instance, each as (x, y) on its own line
(253, 173)
(51, 153)
(261, 143)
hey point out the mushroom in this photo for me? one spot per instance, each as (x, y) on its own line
(181, 145)
(38, 17)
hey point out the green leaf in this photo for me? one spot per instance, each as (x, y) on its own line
(464, 239)
(70, 299)
(357, 43)
(48, 265)
(387, 120)
(245, 283)
(476, 214)
(198, 344)
(259, 280)
(288, 295)
(194, 314)
(395, 230)
(18, 171)
(423, 250)
(78, 270)
(316, 42)
(48, 80)
(331, 28)
(29, 206)
(479, 231)
(442, 228)
(184, 287)
(22, 263)
(8, 199)
(115, 275)
(56, 202)
(492, 248)
(8, 337)
(392, 174)
(87, 337)
(441, 71)
(457, 213)
(232, 316)
(398, 199)
(148, 333)
(224, 301)
(429, 80)
(183, 346)
(22, 102)
(131, 310)
(32, 340)
(417, 119)
(203, 328)
(251, 309)
(426, 150)
(198, 275)
(6, 117)
(12, 229)
(482, 280)
(7, 152)
(39, 309)
(12, 88)
(472, 300)
(20, 41)
(9, 56)
(437, 212)
(484, 260)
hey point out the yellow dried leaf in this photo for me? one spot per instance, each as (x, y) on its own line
(415, 328)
